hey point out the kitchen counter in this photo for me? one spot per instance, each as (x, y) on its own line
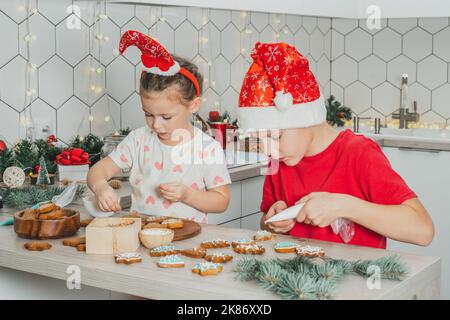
(147, 280)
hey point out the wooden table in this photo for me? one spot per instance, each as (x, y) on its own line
(147, 280)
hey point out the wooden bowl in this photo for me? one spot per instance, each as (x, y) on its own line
(47, 229)
(155, 237)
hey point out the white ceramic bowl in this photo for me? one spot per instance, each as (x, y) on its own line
(156, 237)
(91, 206)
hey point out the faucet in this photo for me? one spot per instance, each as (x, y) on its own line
(403, 114)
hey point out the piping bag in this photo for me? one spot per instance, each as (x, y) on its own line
(344, 227)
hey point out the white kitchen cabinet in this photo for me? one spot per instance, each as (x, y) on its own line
(234, 208)
(428, 174)
(353, 9)
(251, 222)
(252, 190)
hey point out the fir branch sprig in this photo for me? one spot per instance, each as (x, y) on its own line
(305, 278)
(29, 196)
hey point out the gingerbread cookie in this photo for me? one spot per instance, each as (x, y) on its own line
(196, 253)
(263, 235)
(235, 243)
(173, 223)
(310, 251)
(128, 258)
(213, 244)
(154, 219)
(47, 207)
(171, 261)
(249, 249)
(53, 215)
(73, 242)
(37, 246)
(29, 214)
(218, 257)
(81, 247)
(285, 247)
(163, 251)
(207, 268)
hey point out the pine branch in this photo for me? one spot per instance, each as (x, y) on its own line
(247, 269)
(27, 197)
(391, 267)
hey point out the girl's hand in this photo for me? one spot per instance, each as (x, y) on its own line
(322, 208)
(277, 226)
(174, 191)
(107, 199)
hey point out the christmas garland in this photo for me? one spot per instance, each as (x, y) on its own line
(337, 114)
(29, 196)
(305, 279)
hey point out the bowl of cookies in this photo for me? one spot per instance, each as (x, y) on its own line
(46, 221)
(155, 237)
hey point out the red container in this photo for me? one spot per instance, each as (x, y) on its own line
(221, 131)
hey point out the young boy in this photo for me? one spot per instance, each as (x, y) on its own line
(335, 174)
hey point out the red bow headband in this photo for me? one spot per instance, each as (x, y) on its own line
(155, 58)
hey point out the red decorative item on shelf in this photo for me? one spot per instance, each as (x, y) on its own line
(52, 139)
(2, 146)
(37, 168)
(214, 116)
(72, 157)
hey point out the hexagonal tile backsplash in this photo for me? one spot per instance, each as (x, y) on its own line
(79, 84)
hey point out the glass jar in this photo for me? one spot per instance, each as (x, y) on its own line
(109, 145)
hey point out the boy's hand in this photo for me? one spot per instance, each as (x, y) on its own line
(106, 197)
(174, 191)
(322, 208)
(277, 226)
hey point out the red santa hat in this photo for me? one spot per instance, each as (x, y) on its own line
(279, 90)
(155, 58)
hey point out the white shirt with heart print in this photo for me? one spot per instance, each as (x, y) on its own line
(197, 163)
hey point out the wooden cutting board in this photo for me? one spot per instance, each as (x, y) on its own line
(190, 229)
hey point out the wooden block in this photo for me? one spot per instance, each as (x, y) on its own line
(113, 235)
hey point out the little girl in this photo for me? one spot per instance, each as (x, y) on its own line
(175, 168)
(334, 174)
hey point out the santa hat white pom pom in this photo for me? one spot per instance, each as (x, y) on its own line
(283, 101)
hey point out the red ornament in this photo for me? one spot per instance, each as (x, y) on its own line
(52, 139)
(75, 156)
(37, 168)
(2, 146)
(214, 116)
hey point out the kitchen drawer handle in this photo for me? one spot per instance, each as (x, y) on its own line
(419, 149)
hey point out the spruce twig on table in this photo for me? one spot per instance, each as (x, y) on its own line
(305, 278)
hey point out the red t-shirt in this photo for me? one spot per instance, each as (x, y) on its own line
(352, 164)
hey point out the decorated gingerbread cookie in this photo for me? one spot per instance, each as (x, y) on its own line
(213, 244)
(249, 249)
(310, 251)
(207, 268)
(171, 261)
(285, 247)
(163, 251)
(263, 235)
(196, 253)
(173, 223)
(218, 257)
(242, 241)
(128, 258)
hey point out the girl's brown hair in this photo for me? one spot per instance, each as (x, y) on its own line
(153, 82)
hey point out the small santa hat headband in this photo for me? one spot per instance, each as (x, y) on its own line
(279, 91)
(155, 58)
